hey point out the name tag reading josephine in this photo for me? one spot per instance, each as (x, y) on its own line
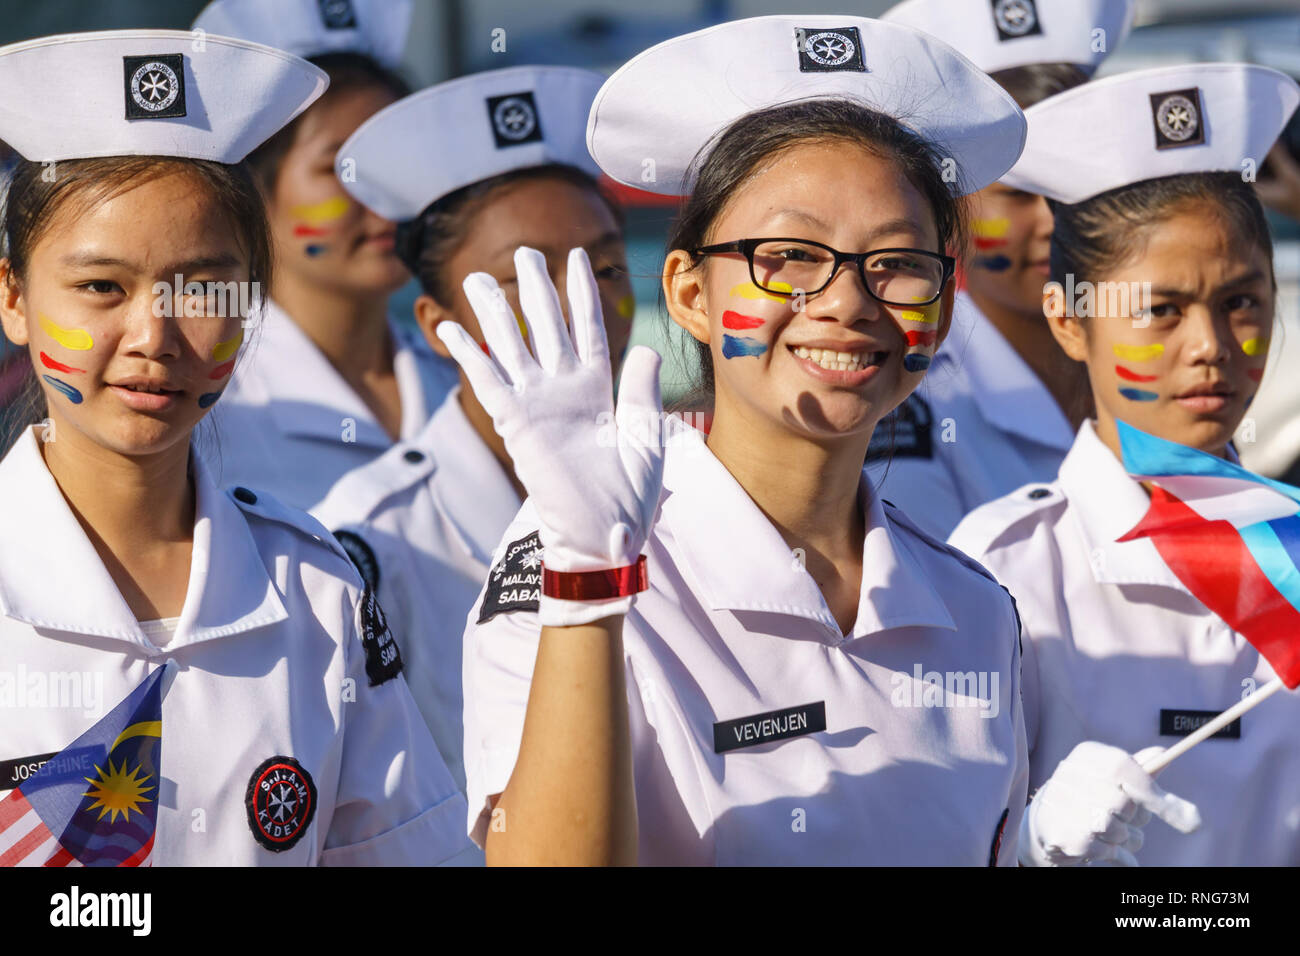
(772, 725)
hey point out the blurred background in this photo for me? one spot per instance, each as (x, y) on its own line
(452, 37)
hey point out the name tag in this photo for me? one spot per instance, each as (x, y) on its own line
(1180, 723)
(70, 765)
(773, 725)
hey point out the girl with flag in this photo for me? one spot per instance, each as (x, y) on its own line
(331, 379)
(290, 735)
(791, 672)
(1156, 579)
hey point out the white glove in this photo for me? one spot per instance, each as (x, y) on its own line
(1093, 808)
(593, 473)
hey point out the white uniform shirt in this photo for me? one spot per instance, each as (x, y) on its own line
(428, 514)
(1113, 639)
(980, 425)
(288, 423)
(271, 665)
(732, 629)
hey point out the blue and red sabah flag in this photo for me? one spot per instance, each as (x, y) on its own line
(95, 803)
(1231, 536)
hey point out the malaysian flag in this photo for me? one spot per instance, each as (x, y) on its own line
(94, 803)
(1231, 536)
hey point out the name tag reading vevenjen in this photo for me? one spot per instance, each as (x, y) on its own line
(773, 725)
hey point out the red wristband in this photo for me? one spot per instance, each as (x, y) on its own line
(595, 585)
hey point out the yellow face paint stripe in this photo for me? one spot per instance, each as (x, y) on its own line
(911, 315)
(747, 290)
(1138, 353)
(225, 350)
(627, 306)
(991, 228)
(324, 211)
(1254, 346)
(78, 340)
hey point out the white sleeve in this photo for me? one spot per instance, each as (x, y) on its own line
(397, 804)
(502, 633)
(1007, 853)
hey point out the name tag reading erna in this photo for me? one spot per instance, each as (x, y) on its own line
(1180, 723)
(772, 725)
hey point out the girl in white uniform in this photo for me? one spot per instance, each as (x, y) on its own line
(808, 678)
(423, 519)
(1000, 404)
(290, 736)
(1118, 649)
(331, 379)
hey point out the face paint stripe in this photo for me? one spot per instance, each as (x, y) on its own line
(59, 366)
(221, 371)
(1255, 374)
(70, 393)
(1138, 395)
(910, 315)
(1253, 346)
(916, 362)
(78, 340)
(627, 306)
(747, 290)
(320, 212)
(1138, 353)
(208, 399)
(315, 249)
(228, 348)
(983, 243)
(920, 338)
(738, 320)
(991, 228)
(993, 263)
(301, 230)
(736, 346)
(1131, 376)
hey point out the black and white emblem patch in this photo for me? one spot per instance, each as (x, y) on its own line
(904, 432)
(362, 555)
(515, 582)
(281, 801)
(383, 659)
(514, 119)
(1015, 19)
(337, 14)
(830, 51)
(1178, 118)
(155, 86)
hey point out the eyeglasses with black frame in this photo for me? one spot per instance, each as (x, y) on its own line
(894, 276)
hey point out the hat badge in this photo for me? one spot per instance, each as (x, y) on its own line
(1177, 117)
(154, 86)
(830, 48)
(514, 118)
(1015, 17)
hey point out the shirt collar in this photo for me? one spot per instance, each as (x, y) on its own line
(56, 581)
(740, 562)
(469, 483)
(1106, 503)
(1006, 390)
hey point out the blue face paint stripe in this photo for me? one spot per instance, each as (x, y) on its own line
(993, 263)
(737, 346)
(1138, 395)
(208, 399)
(70, 393)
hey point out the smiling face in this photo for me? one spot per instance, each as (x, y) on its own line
(1011, 236)
(834, 367)
(114, 371)
(1186, 368)
(553, 216)
(321, 235)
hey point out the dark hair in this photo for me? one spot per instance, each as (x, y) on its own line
(1036, 82)
(723, 165)
(347, 72)
(33, 199)
(427, 243)
(1099, 233)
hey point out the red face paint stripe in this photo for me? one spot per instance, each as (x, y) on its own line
(59, 366)
(1131, 376)
(309, 231)
(921, 338)
(1255, 374)
(983, 243)
(221, 371)
(737, 320)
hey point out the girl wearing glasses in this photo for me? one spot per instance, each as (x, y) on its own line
(1000, 406)
(804, 676)
(1119, 646)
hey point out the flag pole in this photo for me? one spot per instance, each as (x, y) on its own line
(1158, 762)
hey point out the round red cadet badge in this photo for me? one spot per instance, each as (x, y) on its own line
(281, 802)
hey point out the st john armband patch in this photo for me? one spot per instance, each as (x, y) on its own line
(515, 582)
(383, 659)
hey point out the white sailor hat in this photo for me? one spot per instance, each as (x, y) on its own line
(663, 106)
(376, 28)
(1198, 118)
(1002, 34)
(148, 93)
(433, 142)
